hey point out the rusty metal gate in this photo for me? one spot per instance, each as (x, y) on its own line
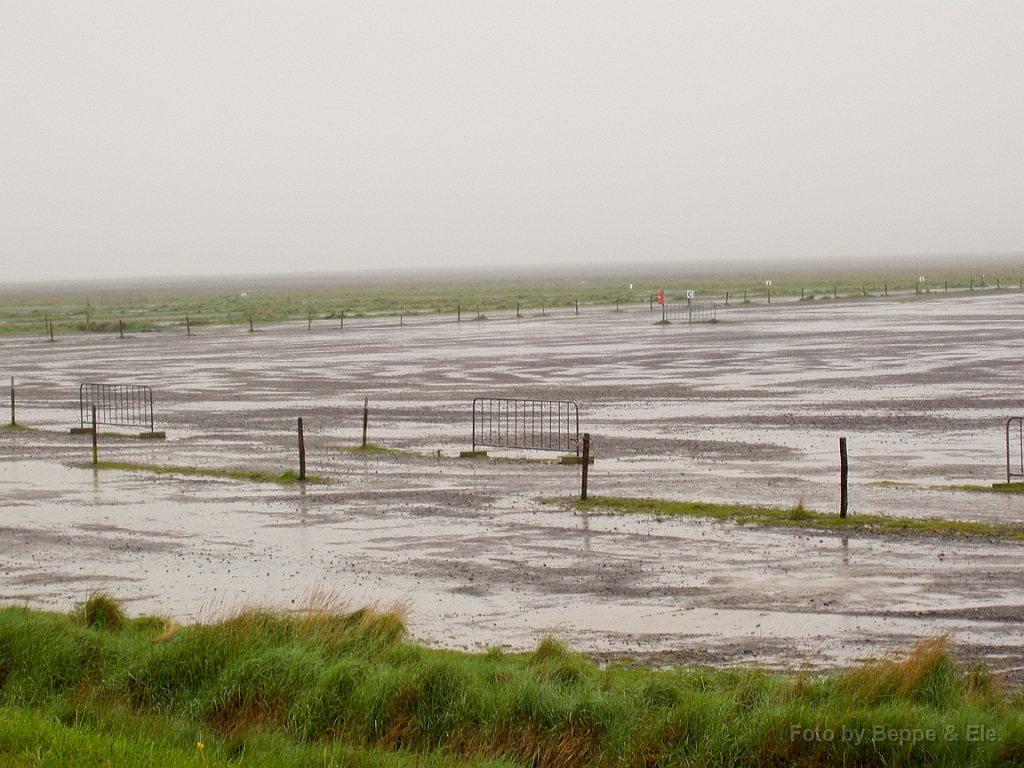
(1015, 449)
(691, 311)
(543, 425)
(117, 405)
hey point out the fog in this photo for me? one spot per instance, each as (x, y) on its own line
(213, 138)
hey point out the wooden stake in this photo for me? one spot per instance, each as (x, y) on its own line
(13, 420)
(302, 453)
(844, 473)
(95, 442)
(366, 418)
(586, 464)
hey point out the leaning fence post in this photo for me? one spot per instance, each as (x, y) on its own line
(366, 417)
(302, 453)
(844, 473)
(13, 421)
(120, 326)
(95, 446)
(586, 463)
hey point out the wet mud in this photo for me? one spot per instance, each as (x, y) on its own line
(747, 410)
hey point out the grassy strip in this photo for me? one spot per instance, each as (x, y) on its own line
(287, 477)
(329, 687)
(1011, 488)
(798, 517)
(235, 301)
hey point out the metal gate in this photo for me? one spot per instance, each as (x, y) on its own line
(543, 425)
(117, 405)
(1015, 449)
(691, 311)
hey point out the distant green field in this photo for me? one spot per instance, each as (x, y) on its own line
(107, 310)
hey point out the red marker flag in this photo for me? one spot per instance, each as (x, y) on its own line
(661, 297)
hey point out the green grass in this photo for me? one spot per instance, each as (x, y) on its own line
(329, 686)
(163, 309)
(798, 516)
(287, 477)
(1012, 488)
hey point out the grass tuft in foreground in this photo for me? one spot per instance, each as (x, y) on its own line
(331, 686)
(798, 516)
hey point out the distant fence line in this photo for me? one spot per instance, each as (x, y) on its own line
(117, 405)
(544, 425)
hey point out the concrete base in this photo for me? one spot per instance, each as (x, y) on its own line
(575, 459)
(472, 454)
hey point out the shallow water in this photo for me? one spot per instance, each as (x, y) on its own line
(746, 410)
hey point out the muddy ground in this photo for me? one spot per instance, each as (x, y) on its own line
(748, 409)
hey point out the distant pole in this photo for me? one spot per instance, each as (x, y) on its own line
(251, 329)
(586, 465)
(887, 289)
(401, 315)
(458, 316)
(801, 294)
(302, 453)
(727, 298)
(309, 321)
(478, 311)
(835, 292)
(517, 309)
(13, 421)
(366, 417)
(51, 330)
(744, 296)
(844, 474)
(972, 285)
(120, 326)
(188, 326)
(577, 306)
(95, 445)
(343, 319)
(769, 295)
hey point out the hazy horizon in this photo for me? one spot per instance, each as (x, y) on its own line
(221, 138)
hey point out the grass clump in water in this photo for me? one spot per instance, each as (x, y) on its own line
(798, 516)
(287, 477)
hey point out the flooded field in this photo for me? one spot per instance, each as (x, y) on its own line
(748, 409)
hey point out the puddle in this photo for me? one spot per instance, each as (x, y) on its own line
(744, 411)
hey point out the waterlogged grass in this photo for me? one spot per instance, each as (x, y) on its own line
(287, 477)
(259, 301)
(798, 516)
(329, 686)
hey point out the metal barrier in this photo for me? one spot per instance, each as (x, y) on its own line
(691, 311)
(1018, 444)
(544, 425)
(118, 405)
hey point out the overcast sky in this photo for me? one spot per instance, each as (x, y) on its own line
(179, 138)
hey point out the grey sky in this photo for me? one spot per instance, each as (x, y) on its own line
(181, 138)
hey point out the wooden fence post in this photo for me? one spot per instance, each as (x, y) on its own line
(844, 474)
(366, 417)
(302, 453)
(13, 420)
(586, 465)
(95, 445)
